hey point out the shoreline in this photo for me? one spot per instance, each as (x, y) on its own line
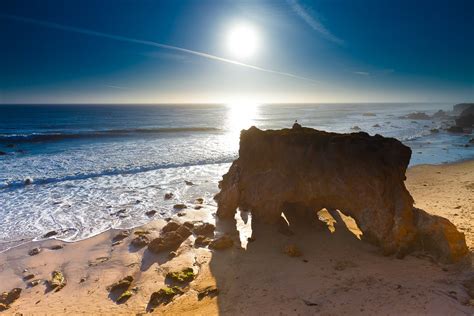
(37, 239)
(337, 273)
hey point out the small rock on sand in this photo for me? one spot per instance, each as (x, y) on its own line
(50, 234)
(34, 251)
(221, 243)
(202, 241)
(205, 229)
(33, 283)
(57, 281)
(121, 236)
(7, 298)
(28, 277)
(140, 241)
(150, 213)
(169, 240)
(164, 296)
(121, 285)
(184, 276)
(169, 196)
(171, 226)
(179, 206)
(124, 297)
(208, 292)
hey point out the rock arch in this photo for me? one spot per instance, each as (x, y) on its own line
(301, 169)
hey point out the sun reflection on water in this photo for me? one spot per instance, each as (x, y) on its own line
(241, 115)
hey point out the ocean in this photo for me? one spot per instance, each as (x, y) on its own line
(96, 167)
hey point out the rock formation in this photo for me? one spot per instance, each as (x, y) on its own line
(466, 118)
(300, 171)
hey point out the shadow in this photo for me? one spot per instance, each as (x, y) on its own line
(133, 248)
(336, 273)
(149, 258)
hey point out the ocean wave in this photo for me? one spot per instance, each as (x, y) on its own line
(15, 184)
(56, 136)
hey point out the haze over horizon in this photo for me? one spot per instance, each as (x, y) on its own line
(236, 51)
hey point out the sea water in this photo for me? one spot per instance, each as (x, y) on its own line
(83, 169)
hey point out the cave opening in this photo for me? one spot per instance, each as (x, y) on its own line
(334, 219)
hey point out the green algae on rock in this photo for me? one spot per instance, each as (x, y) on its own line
(185, 275)
(124, 297)
(164, 296)
(123, 284)
(58, 281)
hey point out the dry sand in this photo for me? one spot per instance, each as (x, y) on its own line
(337, 273)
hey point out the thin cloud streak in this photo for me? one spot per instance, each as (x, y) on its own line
(116, 87)
(150, 43)
(314, 23)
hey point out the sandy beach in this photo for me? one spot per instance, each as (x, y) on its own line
(336, 273)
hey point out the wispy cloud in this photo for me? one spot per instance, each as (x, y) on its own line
(111, 86)
(169, 56)
(150, 43)
(362, 73)
(313, 22)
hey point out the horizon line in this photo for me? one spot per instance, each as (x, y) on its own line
(226, 103)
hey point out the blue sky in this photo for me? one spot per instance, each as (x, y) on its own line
(176, 51)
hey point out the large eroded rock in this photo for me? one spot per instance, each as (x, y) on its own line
(300, 171)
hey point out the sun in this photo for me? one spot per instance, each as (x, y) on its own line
(242, 41)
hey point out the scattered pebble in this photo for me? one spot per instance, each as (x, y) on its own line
(50, 234)
(28, 277)
(208, 292)
(150, 213)
(34, 251)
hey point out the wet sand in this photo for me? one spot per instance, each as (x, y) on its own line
(336, 274)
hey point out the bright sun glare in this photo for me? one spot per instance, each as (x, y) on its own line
(242, 41)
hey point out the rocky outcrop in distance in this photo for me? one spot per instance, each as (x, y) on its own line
(300, 171)
(465, 118)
